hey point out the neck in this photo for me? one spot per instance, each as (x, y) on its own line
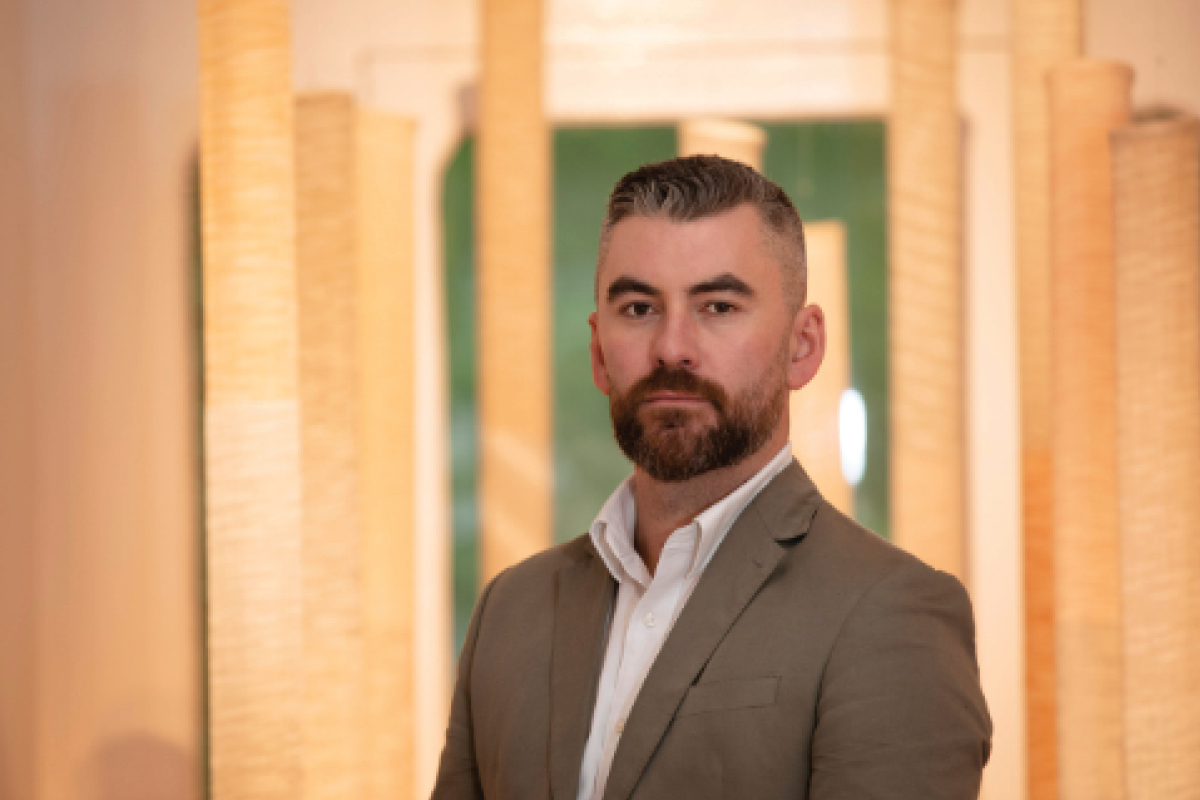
(663, 508)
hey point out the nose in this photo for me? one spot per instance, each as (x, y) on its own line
(675, 345)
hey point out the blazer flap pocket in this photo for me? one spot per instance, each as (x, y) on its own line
(724, 695)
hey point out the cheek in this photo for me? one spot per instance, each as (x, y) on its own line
(743, 351)
(747, 362)
(624, 358)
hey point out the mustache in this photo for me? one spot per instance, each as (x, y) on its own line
(667, 379)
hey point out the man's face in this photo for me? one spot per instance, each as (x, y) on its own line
(694, 344)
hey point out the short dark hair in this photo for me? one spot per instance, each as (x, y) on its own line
(692, 187)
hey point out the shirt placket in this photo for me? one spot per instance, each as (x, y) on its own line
(649, 625)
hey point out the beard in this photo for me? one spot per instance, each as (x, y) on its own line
(671, 445)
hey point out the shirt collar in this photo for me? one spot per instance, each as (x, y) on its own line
(612, 531)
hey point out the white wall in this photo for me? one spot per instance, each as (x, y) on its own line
(1159, 38)
(99, 552)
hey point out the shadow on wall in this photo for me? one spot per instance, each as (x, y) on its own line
(6, 791)
(140, 766)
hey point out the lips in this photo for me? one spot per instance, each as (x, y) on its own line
(675, 398)
(676, 389)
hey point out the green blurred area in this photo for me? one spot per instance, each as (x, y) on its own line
(831, 170)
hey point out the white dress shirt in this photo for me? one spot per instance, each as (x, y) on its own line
(646, 606)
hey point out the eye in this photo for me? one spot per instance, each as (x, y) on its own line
(720, 307)
(638, 308)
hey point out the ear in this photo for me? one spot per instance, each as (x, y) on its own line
(806, 346)
(599, 372)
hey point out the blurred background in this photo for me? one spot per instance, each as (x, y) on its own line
(293, 354)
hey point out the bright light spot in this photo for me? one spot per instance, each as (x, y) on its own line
(852, 435)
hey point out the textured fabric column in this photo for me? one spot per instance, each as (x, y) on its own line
(251, 413)
(738, 141)
(1087, 100)
(1045, 33)
(386, 359)
(925, 285)
(814, 409)
(513, 288)
(1156, 168)
(333, 631)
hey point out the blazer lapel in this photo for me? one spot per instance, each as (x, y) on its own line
(583, 597)
(738, 569)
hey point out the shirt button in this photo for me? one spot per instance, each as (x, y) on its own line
(649, 620)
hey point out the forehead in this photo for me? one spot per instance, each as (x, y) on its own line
(668, 253)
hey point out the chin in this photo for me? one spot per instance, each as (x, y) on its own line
(695, 419)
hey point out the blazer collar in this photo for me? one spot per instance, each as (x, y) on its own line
(583, 596)
(782, 512)
(788, 504)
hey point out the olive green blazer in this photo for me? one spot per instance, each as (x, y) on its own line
(813, 660)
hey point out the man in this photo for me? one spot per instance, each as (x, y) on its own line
(721, 631)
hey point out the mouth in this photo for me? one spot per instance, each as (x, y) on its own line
(664, 398)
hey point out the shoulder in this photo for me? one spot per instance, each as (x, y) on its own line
(883, 585)
(900, 673)
(858, 579)
(872, 564)
(831, 547)
(532, 581)
(542, 566)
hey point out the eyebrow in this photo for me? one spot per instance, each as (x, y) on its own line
(727, 282)
(628, 285)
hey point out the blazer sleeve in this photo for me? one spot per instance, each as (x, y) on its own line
(458, 771)
(901, 714)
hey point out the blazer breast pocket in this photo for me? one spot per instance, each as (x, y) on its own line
(728, 695)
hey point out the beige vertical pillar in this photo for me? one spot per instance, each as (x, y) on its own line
(814, 409)
(925, 285)
(326, 256)
(355, 255)
(513, 285)
(1087, 100)
(738, 141)
(1157, 187)
(386, 363)
(251, 414)
(1045, 33)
